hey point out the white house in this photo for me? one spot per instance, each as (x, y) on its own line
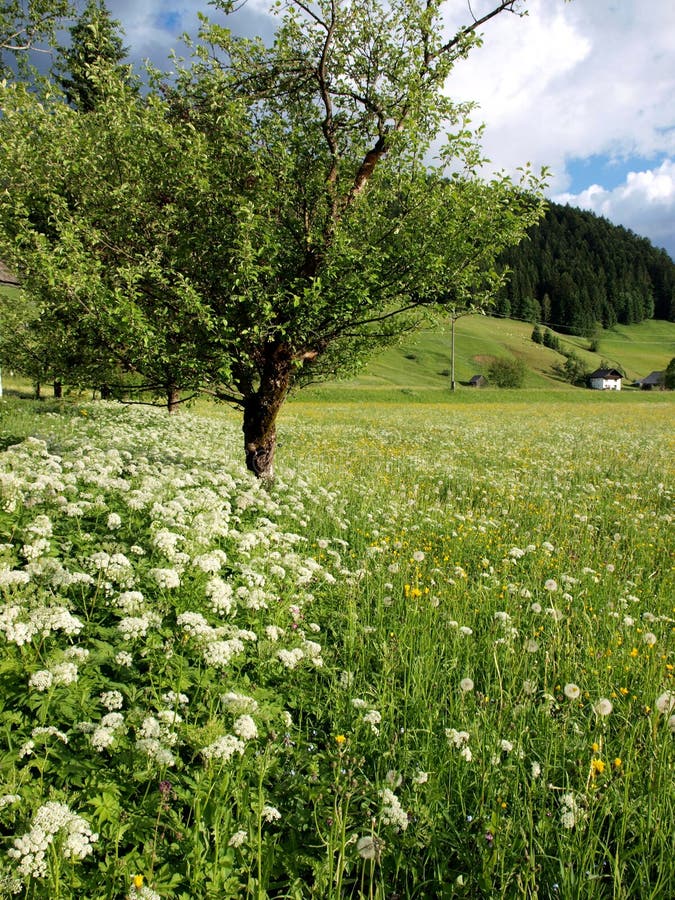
(605, 380)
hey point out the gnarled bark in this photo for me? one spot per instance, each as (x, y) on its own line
(262, 407)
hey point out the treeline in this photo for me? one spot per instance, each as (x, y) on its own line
(576, 271)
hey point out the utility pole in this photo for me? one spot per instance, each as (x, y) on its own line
(454, 315)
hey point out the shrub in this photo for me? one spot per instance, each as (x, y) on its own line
(669, 377)
(507, 373)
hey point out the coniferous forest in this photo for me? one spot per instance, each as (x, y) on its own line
(576, 271)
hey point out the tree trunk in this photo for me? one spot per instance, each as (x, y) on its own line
(262, 407)
(106, 392)
(172, 399)
(58, 390)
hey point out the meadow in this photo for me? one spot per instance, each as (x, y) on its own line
(434, 659)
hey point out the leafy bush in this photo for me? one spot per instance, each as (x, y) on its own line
(507, 373)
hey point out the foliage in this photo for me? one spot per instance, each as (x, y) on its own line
(669, 375)
(551, 340)
(26, 27)
(537, 335)
(530, 746)
(266, 219)
(577, 269)
(573, 369)
(507, 372)
(96, 46)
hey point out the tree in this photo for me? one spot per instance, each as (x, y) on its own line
(267, 219)
(96, 43)
(669, 375)
(506, 372)
(26, 27)
(537, 335)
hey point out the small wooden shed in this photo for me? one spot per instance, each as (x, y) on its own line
(478, 381)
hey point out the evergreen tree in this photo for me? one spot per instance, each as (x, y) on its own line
(96, 48)
(669, 376)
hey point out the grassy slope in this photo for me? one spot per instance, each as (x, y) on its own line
(422, 363)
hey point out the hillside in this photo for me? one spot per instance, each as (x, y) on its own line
(423, 362)
(576, 269)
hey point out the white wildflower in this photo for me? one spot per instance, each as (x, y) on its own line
(111, 699)
(392, 813)
(224, 748)
(373, 718)
(246, 728)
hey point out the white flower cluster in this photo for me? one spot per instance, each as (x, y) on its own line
(155, 737)
(166, 578)
(246, 728)
(111, 699)
(223, 748)
(219, 653)
(373, 718)
(61, 673)
(53, 818)
(136, 627)
(392, 812)
(221, 596)
(239, 703)
(571, 813)
(270, 813)
(460, 740)
(104, 734)
(20, 626)
(290, 658)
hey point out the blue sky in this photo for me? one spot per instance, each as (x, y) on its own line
(586, 88)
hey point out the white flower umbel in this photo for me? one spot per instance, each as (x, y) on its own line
(31, 850)
(224, 748)
(246, 728)
(392, 813)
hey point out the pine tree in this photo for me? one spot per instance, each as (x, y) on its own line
(96, 46)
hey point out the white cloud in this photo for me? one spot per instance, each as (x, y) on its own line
(645, 203)
(573, 80)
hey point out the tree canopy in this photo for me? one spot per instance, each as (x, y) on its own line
(26, 27)
(268, 216)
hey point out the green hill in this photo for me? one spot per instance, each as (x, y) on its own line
(423, 362)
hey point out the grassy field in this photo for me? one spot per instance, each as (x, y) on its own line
(435, 659)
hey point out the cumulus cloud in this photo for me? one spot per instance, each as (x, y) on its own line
(645, 202)
(584, 80)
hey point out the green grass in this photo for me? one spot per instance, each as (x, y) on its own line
(463, 585)
(421, 366)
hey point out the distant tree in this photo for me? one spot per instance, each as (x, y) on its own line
(96, 49)
(505, 372)
(669, 375)
(537, 335)
(551, 340)
(572, 370)
(593, 333)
